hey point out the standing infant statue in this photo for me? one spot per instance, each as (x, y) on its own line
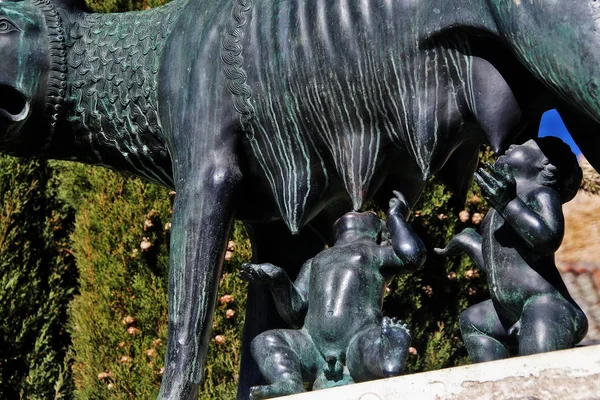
(337, 300)
(530, 310)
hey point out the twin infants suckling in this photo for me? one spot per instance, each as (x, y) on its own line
(336, 300)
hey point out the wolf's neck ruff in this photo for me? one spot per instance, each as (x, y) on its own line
(111, 94)
(57, 76)
(233, 61)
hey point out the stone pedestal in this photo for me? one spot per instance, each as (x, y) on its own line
(563, 375)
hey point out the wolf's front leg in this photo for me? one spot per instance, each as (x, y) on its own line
(202, 217)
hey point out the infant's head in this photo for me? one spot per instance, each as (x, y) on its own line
(366, 224)
(556, 165)
(561, 169)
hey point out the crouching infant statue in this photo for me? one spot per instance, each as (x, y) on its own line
(530, 310)
(337, 300)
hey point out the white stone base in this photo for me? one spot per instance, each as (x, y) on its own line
(562, 375)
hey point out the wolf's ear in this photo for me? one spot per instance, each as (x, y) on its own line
(71, 5)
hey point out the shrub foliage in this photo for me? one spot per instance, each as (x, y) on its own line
(119, 319)
(37, 281)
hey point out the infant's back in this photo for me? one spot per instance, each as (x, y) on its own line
(346, 294)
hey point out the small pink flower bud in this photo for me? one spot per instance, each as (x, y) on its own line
(428, 290)
(132, 330)
(219, 339)
(471, 274)
(104, 375)
(148, 224)
(145, 245)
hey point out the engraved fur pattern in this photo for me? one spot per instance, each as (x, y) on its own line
(342, 84)
(57, 75)
(113, 62)
(231, 54)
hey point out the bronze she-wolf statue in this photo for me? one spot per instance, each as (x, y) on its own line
(286, 115)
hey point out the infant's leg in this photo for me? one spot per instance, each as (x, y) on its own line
(484, 336)
(549, 322)
(286, 358)
(378, 351)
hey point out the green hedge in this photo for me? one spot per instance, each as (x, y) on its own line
(37, 281)
(119, 319)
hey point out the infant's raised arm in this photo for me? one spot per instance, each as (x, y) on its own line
(407, 252)
(537, 219)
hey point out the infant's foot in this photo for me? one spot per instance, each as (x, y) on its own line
(333, 369)
(333, 374)
(458, 243)
(277, 389)
(395, 341)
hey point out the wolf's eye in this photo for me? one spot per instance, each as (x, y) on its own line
(7, 27)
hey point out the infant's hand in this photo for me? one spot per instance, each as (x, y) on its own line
(398, 206)
(498, 186)
(333, 369)
(262, 273)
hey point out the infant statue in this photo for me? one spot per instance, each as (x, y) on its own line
(337, 300)
(530, 310)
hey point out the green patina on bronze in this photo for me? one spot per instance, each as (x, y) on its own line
(112, 88)
(530, 310)
(101, 87)
(335, 305)
(286, 112)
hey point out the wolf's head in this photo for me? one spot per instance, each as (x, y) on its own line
(32, 74)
